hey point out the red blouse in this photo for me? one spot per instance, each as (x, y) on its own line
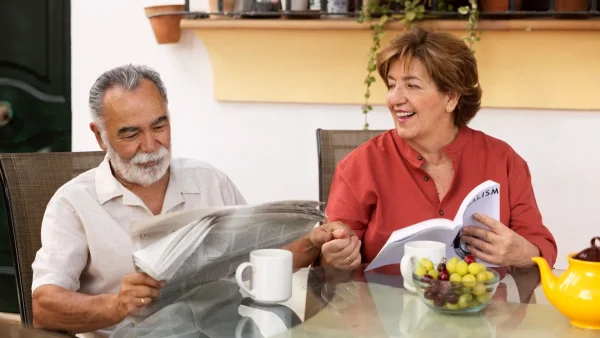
(380, 187)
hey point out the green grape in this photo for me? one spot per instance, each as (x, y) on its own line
(473, 303)
(420, 271)
(490, 275)
(479, 290)
(456, 278)
(482, 276)
(452, 306)
(426, 263)
(464, 300)
(433, 273)
(462, 268)
(483, 298)
(468, 280)
(451, 265)
(474, 268)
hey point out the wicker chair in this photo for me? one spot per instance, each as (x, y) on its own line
(333, 146)
(29, 180)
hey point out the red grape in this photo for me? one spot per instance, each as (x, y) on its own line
(451, 298)
(439, 300)
(470, 259)
(441, 267)
(429, 294)
(444, 275)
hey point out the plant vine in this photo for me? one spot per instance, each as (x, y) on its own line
(474, 33)
(413, 10)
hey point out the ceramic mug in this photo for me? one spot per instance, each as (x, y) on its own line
(413, 251)
(271, 280)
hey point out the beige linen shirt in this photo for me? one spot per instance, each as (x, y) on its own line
(86, 246)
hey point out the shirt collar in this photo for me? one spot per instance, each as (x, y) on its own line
(107, 186)
(414, 158)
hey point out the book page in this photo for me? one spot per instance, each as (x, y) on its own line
(484, 199)
(438, 229)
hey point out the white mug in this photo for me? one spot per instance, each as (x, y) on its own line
(271, 280)
(413, 251)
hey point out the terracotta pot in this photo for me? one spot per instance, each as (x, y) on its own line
(165, 27)
(228, 6)
(571, 5)
(499, 5)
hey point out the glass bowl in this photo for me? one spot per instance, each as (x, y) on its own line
(456, 297)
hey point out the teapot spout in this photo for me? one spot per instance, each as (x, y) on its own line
(549, 281)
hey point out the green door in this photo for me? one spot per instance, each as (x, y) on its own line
(35, 96)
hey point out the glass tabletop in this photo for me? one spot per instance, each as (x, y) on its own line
(332, 303)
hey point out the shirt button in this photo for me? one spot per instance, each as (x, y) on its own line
(441, 212)
(426, 178)
(420, 158)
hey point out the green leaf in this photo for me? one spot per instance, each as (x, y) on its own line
(415, 2)
(367, 95)
(464, 10)
(410, 16)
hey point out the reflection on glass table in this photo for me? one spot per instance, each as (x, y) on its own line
(329, 303)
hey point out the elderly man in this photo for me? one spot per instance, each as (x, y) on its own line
(83, 276)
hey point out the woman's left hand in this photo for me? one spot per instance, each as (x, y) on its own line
(500, 245)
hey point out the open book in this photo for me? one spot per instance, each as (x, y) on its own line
(208, 244)
(484, 199)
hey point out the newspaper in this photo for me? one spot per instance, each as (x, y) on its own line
(207, 244)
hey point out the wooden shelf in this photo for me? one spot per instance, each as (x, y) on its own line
(539, 64)
(351, 24)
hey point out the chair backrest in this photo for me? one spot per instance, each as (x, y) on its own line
(333, 146)
(29, 180)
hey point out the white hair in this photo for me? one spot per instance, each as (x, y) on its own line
(127, 77)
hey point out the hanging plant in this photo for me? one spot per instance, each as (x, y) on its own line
(474, 33)
(413, 10)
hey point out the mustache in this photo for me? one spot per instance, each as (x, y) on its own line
(142, 157)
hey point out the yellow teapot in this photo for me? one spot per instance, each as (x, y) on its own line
(576, 293)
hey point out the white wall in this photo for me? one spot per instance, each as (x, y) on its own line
(269, 150)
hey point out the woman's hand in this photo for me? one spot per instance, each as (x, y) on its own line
(342, 252)
(500, 245)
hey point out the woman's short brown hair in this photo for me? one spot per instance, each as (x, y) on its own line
(448, 60)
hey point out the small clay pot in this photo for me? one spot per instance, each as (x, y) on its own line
(165, 27)
(499, 5)
(571, 5)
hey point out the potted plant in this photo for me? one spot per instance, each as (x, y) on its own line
(499, 5)
(571, 5)
(165, 20)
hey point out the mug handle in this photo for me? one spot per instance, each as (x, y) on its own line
(238, 277)
(406, 268)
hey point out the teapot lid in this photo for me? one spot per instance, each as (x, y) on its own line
(591, 254)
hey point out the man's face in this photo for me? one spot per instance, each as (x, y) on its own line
(136, 133)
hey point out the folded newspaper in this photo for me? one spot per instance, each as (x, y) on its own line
(207, 244)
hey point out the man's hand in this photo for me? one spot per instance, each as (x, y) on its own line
(137, 290)
(342, 250)
(500, 245)
(324, 233)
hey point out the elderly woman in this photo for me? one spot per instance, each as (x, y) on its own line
(426, 166)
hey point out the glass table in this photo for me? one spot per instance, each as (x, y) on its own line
(331, 303)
